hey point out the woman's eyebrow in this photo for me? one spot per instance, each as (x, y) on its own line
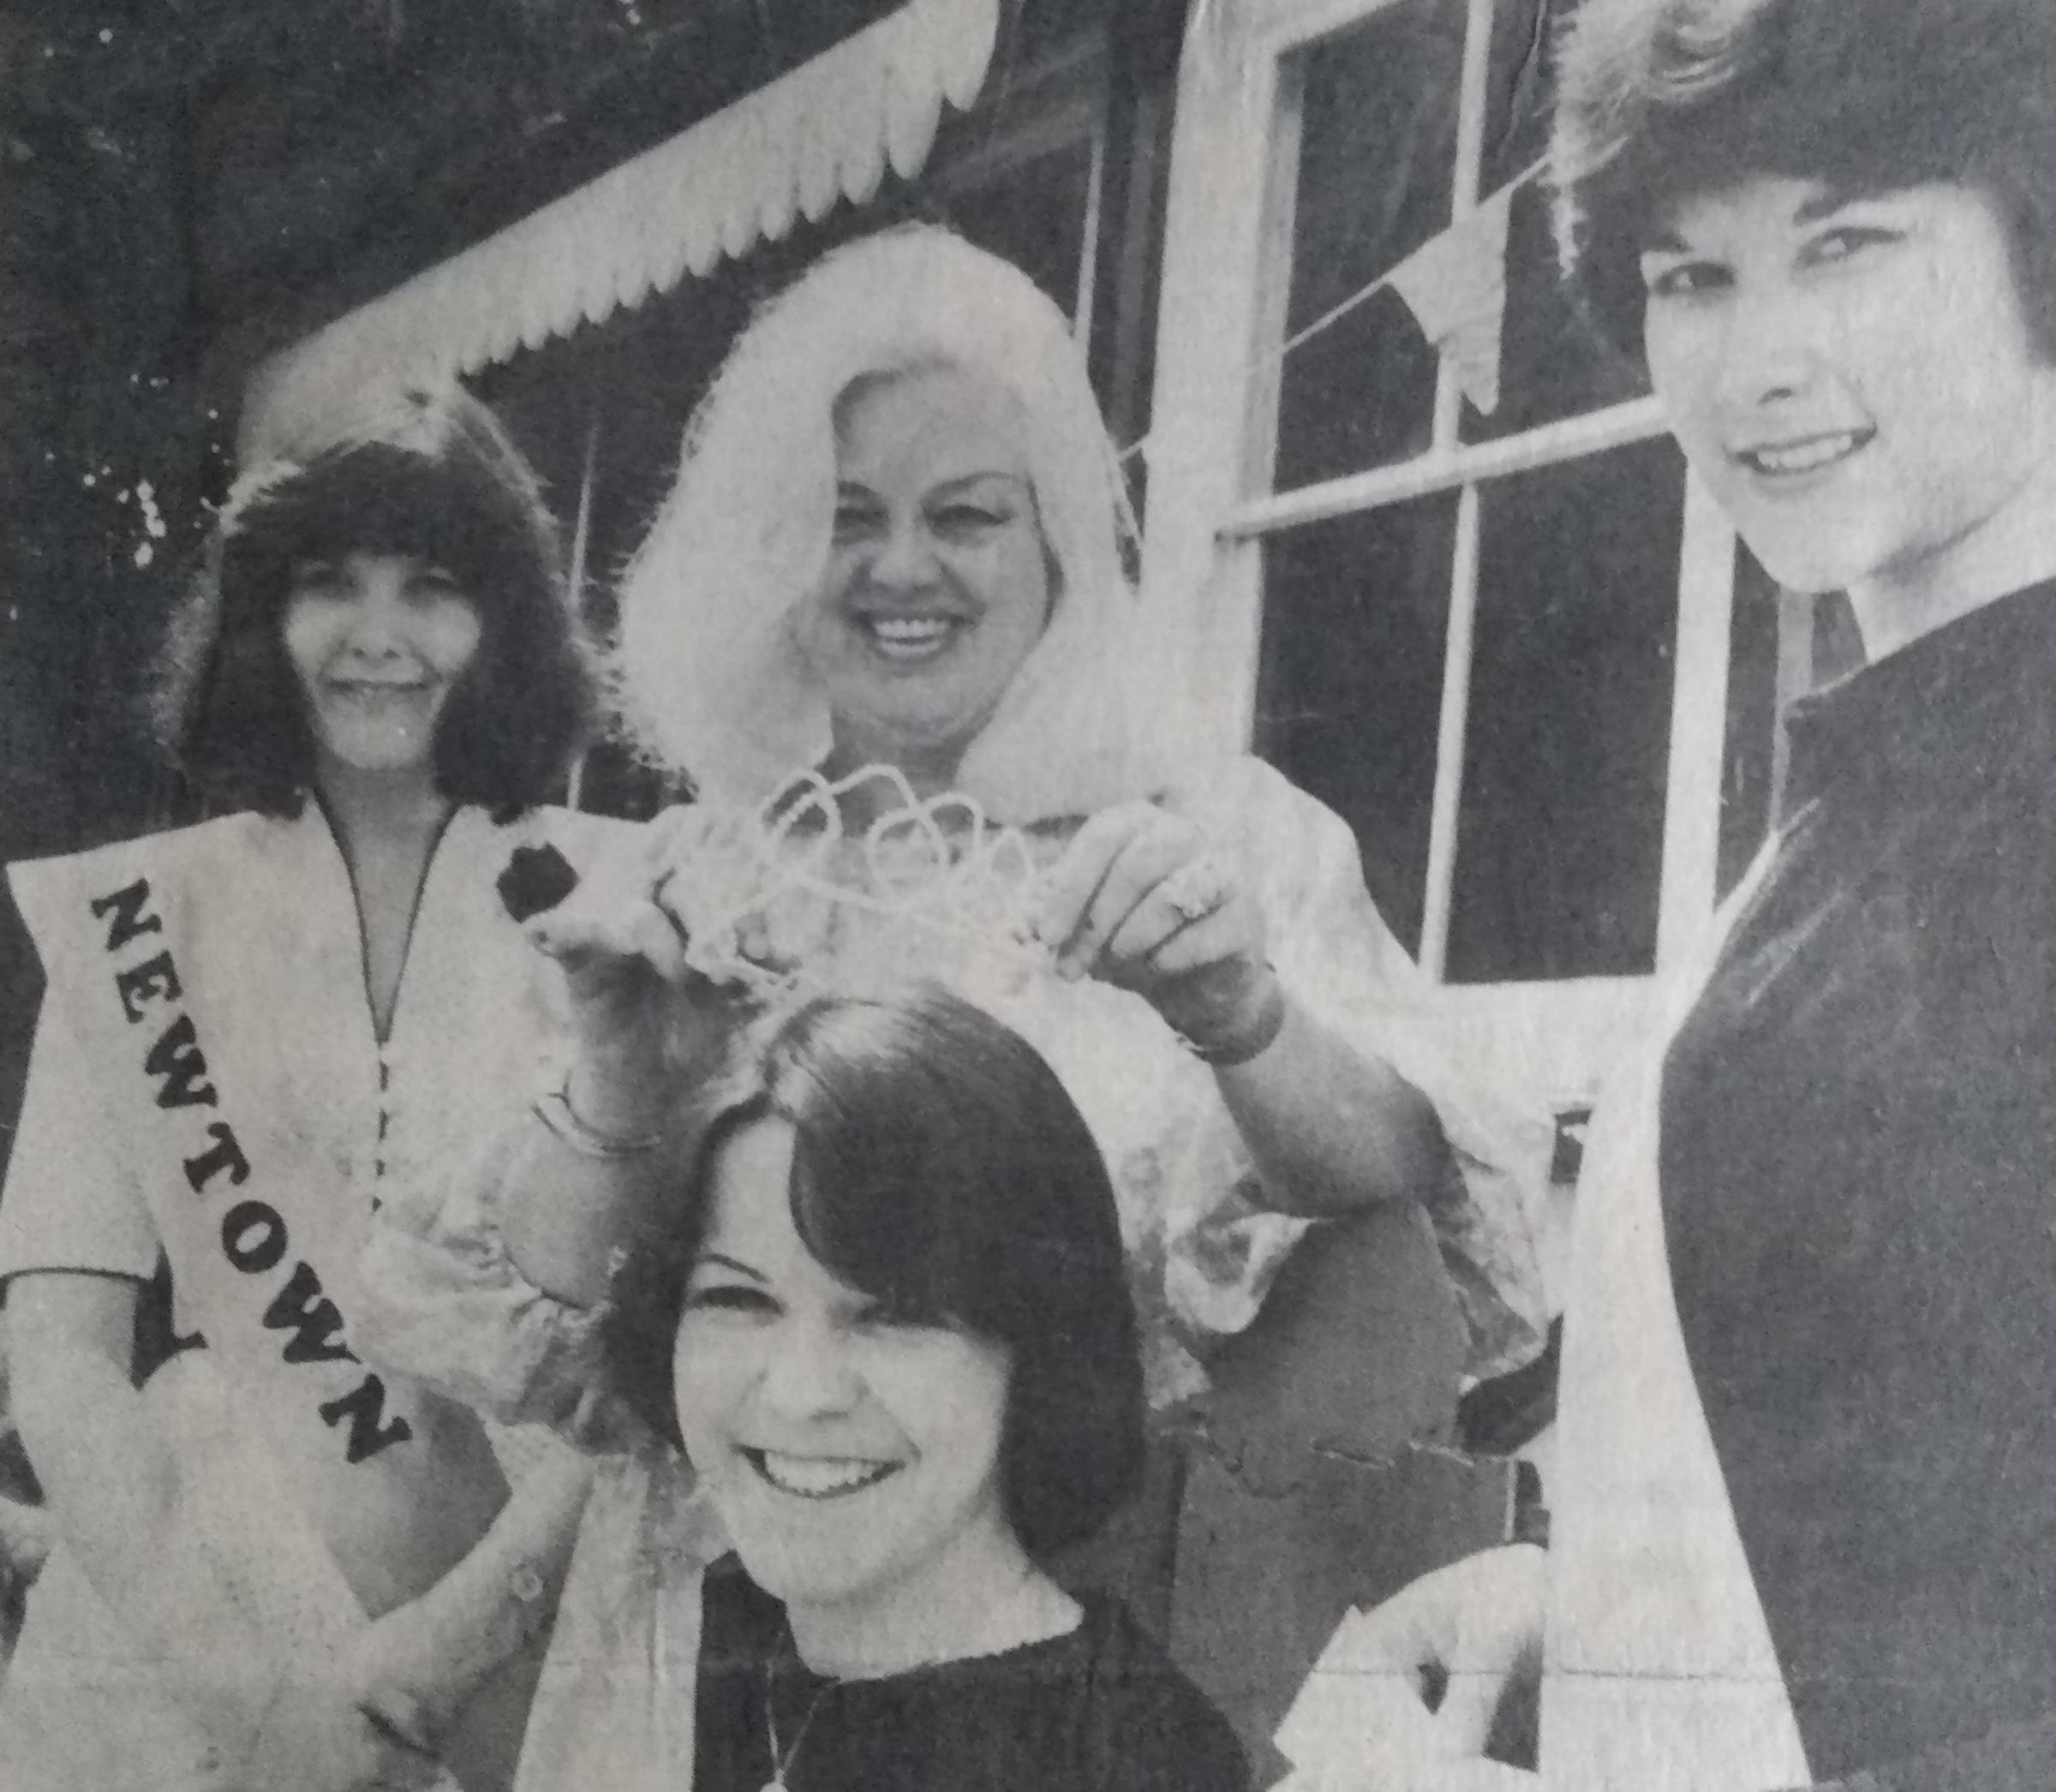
(980, 478)
(715, 1259)
(1830, 198)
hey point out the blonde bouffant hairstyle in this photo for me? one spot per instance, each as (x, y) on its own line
(710, 675)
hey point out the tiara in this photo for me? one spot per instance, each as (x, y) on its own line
(763, 892)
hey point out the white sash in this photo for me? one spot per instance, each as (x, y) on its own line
(213, 981)
(201, 990)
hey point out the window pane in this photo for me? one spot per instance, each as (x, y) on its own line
(1552, 365)
(1559, 841)
(1518, 91)
(1356, 613)
(1377, 149)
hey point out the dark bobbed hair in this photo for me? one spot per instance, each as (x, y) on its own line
(940, 1167)
(1658, 100)
(432, 475)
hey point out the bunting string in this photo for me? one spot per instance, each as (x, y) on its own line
(1454, 284)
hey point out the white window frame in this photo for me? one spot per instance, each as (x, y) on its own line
(1225, 273)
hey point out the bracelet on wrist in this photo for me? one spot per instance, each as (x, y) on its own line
(555, 1111)
(1251, 1039)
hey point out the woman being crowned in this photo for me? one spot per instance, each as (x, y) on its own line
(883, 622)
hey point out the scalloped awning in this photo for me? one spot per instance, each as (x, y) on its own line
(822, 132)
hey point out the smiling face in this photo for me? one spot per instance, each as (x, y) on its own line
(938, 583)
(377, 642)
(853, 1456)
(1853, 379)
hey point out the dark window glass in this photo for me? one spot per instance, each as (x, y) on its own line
(1356, 619)
(1560, 829)
(1518, 94)
(1552, 365)
(1376, 157)
(1377, 149)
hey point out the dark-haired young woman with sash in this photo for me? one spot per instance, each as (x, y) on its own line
(280, 1566)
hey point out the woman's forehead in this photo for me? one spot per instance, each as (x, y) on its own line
(749, 1188)
(939, 420)
(346, 551)
(1772, 197)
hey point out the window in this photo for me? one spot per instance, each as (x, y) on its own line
(1451, 575)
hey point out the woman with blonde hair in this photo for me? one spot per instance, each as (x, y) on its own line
(936, 585)
(883, 622)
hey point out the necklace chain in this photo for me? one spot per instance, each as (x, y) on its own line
(781, 1762)
(782, 1765)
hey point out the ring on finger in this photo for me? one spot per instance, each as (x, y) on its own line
(1195, 889)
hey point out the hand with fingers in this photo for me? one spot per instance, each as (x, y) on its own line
(1141, 900)
(640, 1016)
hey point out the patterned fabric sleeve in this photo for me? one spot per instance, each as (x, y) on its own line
(440, 1300)
(1340, 960)
(443, 1301)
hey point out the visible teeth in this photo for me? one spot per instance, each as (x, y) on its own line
(909, 631)
(817, 1477)
(1802, 457)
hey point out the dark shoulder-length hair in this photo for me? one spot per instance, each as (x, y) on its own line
(1661, 100)
(430, 474)
(940, 1167)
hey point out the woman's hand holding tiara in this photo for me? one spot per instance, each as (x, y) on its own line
(640, 1016)
(1141, 900)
